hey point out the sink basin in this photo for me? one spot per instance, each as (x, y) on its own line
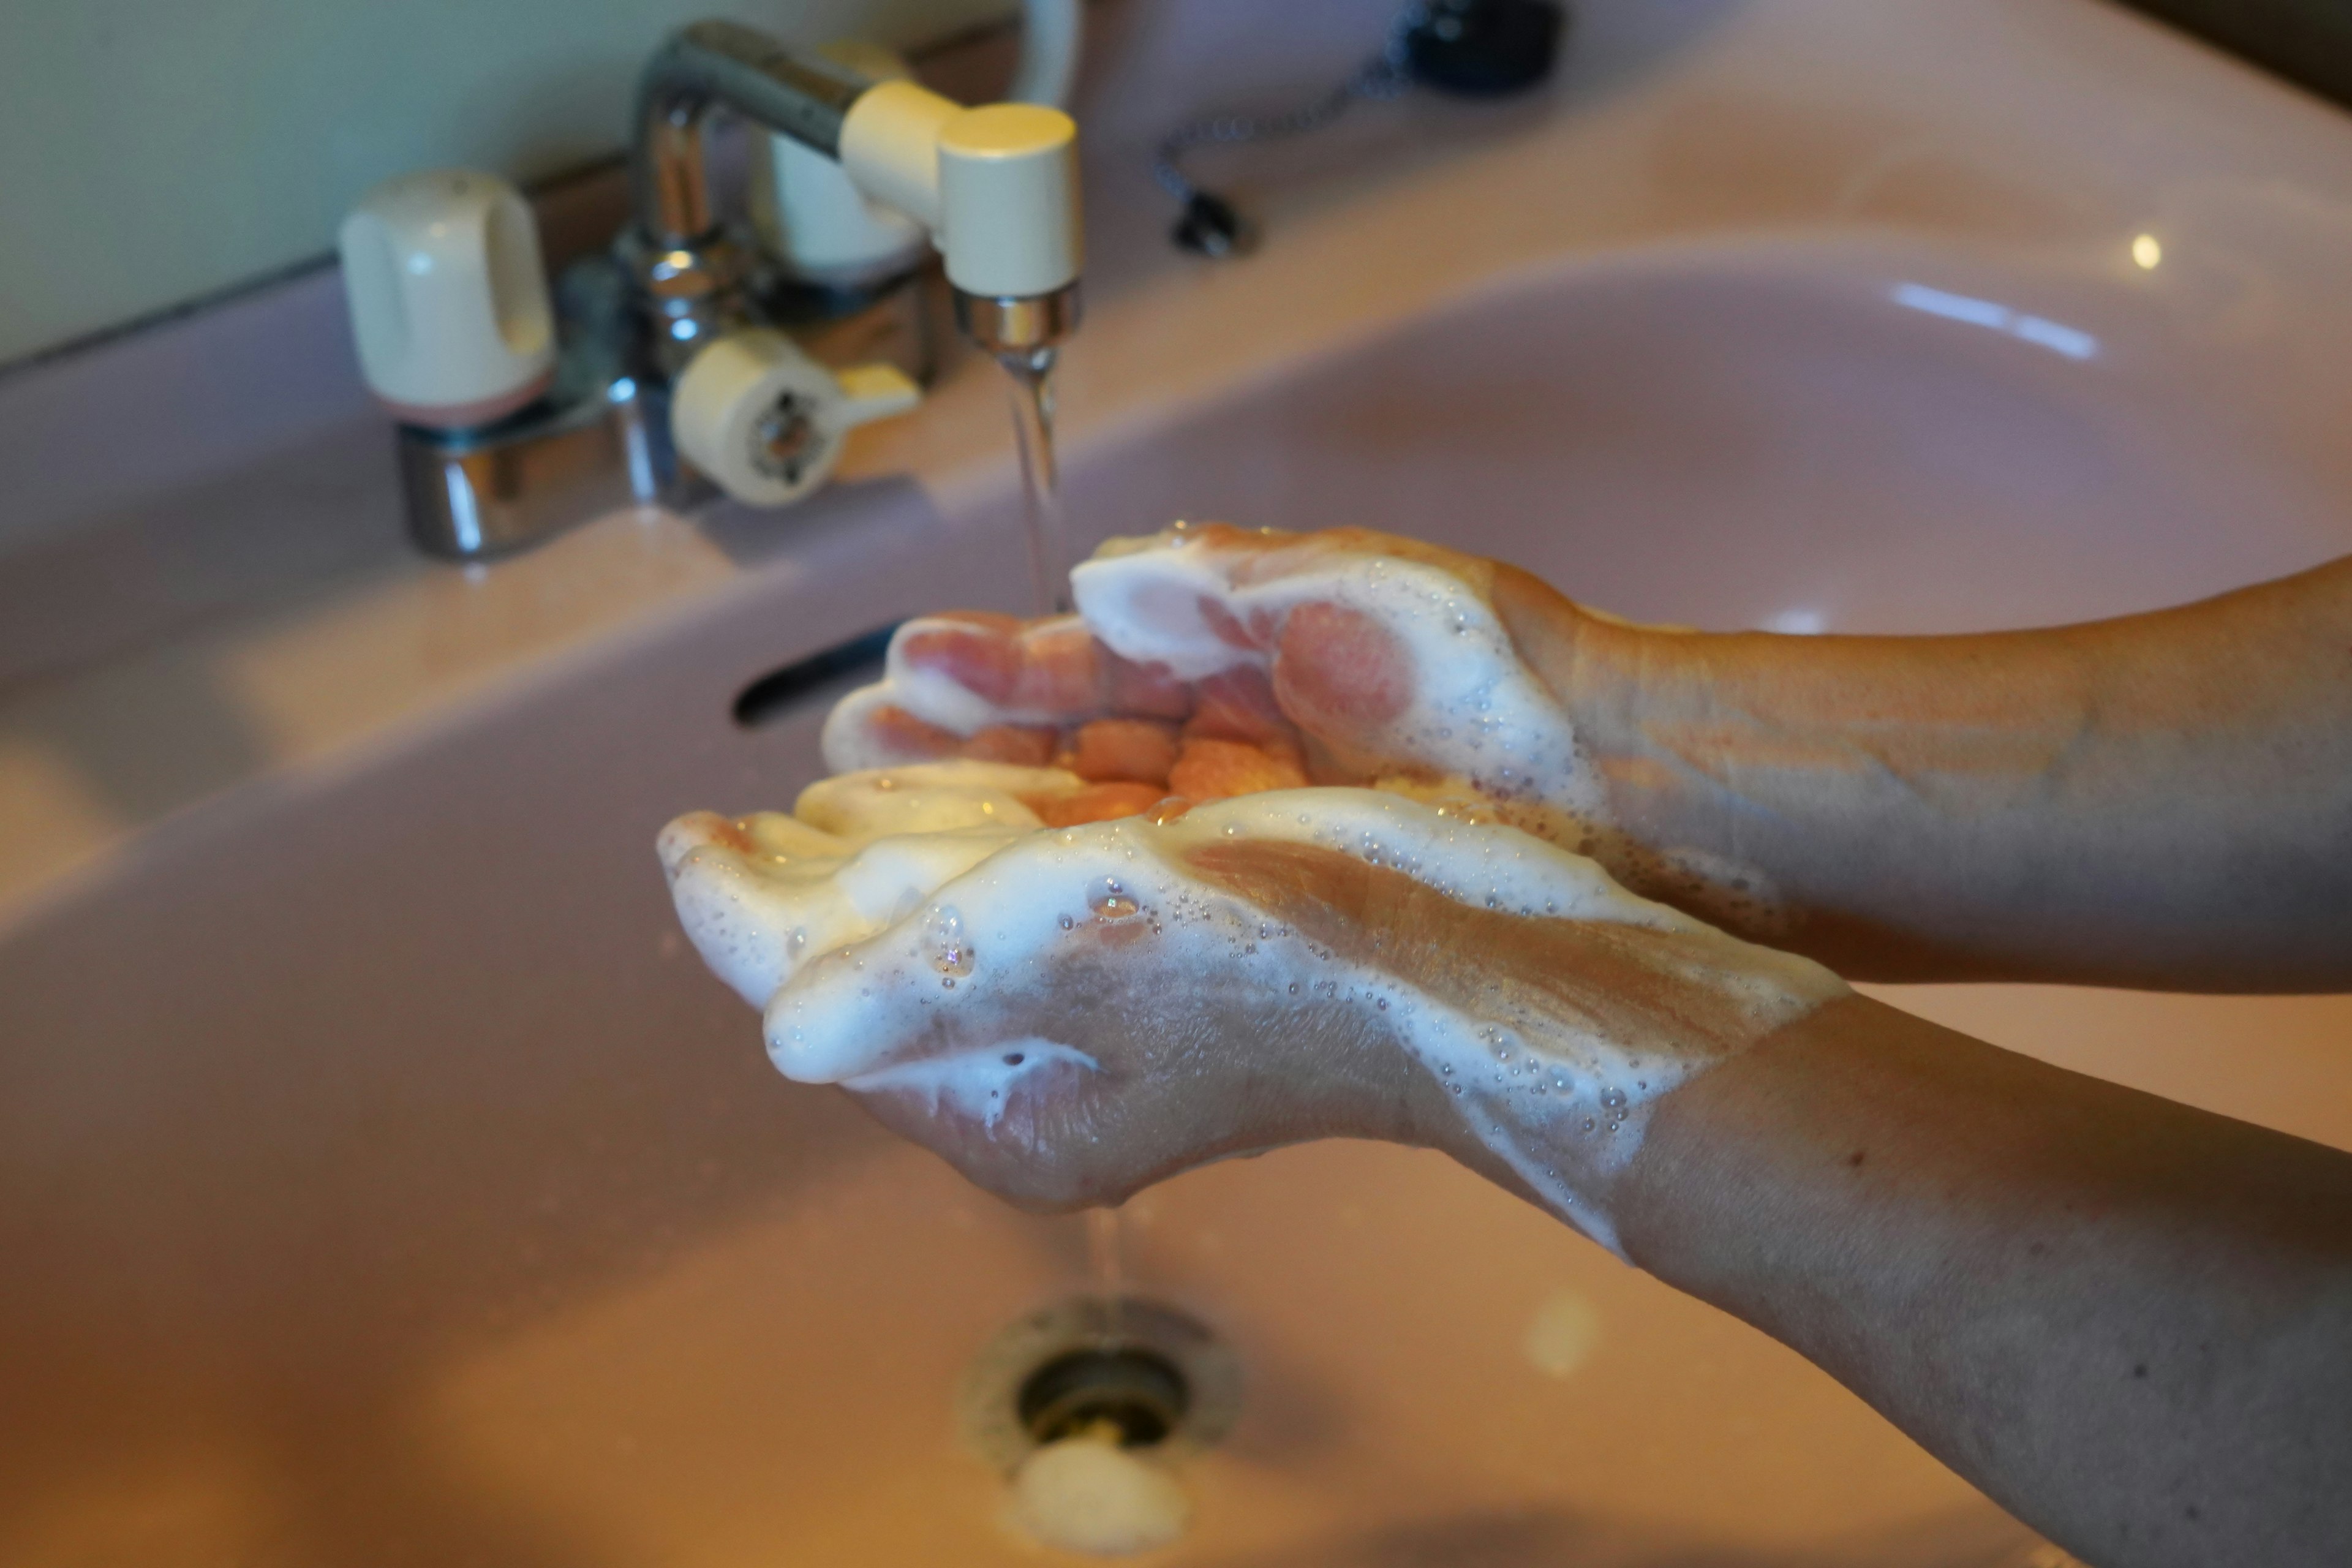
(385, 1182)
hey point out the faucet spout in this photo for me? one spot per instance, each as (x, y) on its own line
(997, 186)
(724, 64)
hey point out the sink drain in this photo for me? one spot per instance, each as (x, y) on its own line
(1138, 1371)
(1141, 1398)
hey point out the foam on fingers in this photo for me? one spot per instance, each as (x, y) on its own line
(1391, 660)
(939, 999)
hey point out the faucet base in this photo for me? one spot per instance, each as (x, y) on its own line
(598, 441)
(476, 495)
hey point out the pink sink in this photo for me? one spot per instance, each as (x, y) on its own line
(383, 1181)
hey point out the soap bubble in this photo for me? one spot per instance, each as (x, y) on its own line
(949, 950)
(1112, 901)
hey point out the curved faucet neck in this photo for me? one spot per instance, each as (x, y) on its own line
(723, 65)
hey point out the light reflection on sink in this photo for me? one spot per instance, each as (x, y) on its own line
(1842, 436)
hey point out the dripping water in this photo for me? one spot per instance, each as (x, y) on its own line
(1106, 1267)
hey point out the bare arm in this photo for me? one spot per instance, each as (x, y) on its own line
(2163, 801)
(2125, 1319)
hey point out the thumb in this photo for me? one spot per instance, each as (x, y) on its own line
(1337, 669)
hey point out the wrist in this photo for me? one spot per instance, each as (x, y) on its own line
(1577, 1039)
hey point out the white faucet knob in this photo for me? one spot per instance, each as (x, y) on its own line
(448, 297)
(765, 423)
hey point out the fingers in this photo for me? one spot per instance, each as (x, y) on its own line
(1138, 750)
(993, 688)
(1219, 770)
(761, 895)
(1340, 657)
(988, 954)
(1389, 654)
(1338, 668)
(1099, 803)
(1239, 704)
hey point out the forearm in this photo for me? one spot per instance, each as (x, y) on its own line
(2160, 801)
(2123, 1318)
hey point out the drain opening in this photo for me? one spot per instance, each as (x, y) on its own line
(1152, 1378)
(1140, 1396)
(781, 693)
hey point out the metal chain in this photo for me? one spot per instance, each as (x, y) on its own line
(1386, 75)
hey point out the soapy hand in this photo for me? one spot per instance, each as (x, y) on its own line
(1207, 662)
(1085, 1011)
(1069, 915)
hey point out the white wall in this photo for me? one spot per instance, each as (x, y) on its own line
(155, 151)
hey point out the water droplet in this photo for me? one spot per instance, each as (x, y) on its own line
(885, 783)
(1110, 902)
(1383, 1003)
(950, 950)
(1588, 1124)
(1067, 922)
(1455, 1087)
(1447, 1069)
(1614, 1099)
(1014, 1058)
(1294, 989)
(799, 940)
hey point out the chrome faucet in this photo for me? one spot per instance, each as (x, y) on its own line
(998, 187)
(674, 374)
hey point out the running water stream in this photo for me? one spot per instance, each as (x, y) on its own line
(1049, 572)
(1041, 478)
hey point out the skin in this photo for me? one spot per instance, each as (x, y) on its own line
(2162, 801)
(2123, 1318)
